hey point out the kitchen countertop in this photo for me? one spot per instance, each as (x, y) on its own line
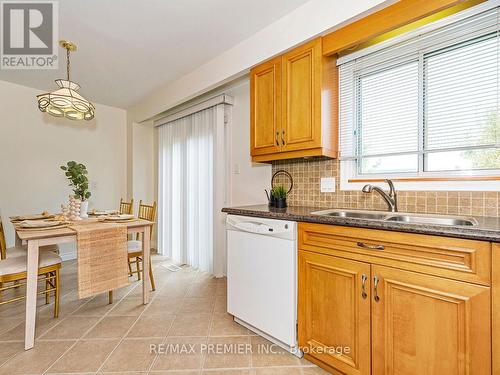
(488, 228)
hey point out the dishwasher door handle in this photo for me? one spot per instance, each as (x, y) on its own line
(252, 227)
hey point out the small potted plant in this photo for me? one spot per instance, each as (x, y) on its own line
(77, 176)
(279, 194)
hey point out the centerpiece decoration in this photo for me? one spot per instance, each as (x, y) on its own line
(78, 203)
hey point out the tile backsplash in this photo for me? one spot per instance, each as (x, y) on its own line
(307, 173)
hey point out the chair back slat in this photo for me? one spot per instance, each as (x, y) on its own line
(126, 207)
(3, 244)
(146, 212)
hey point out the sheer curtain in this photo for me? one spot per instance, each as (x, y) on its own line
(190, 163)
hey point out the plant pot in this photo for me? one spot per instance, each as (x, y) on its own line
(84, 207)
(280, 202)
(272, 201)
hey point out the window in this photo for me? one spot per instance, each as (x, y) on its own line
(424, 106)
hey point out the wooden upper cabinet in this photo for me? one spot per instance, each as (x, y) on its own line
(334, 314)
(302, 97)
(265, 104)
(293, 105)
(429, 325)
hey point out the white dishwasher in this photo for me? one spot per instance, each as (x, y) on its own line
(262, 277)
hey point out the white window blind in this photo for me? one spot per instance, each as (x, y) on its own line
(428, 103)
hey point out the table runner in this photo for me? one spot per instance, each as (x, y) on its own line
(102, 257)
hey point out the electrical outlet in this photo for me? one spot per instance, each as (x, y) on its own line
(328, 184)
(236, 168)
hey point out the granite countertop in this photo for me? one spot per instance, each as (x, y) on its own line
(488, 228)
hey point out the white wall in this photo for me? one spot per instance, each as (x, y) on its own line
(247, 186)
(143, 162)
(33, 145)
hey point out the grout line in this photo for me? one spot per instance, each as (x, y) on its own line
(188, 283)
(98, 321)
(155, 359)
(128, 331)
(210, 325)
(89, 329)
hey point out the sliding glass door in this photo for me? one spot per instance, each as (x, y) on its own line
(192, 186)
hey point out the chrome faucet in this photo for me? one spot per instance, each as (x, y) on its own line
(391, 199)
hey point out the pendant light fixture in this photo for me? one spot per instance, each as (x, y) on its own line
(66, 102)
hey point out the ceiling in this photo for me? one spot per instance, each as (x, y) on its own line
(128, 48)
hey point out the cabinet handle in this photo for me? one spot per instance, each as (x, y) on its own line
(371, 247)
(375, 288)
(277, 141)
(283, 137)
(363, 286)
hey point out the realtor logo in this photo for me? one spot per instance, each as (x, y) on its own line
(29, 34)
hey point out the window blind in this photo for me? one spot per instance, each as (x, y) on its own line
(461, 95)
(437, 91)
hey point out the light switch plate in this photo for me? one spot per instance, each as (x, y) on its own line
(328, 185)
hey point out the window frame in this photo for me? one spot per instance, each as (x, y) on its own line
(351, 169)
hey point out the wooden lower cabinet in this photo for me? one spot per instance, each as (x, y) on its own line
(334, 317)
(410, 323)
(429, 325)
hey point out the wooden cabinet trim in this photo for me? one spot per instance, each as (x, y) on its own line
(458, 259)
(270, 67)
(495, 305)
(387, 19)
(321, 151)
(309, 127)
(470, 303)
(313, 289)
(310, 51)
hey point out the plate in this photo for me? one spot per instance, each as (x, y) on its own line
(119, 217)
(103, 212)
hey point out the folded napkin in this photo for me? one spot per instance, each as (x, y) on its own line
(38, 223)
(32, 217)
(102, 257)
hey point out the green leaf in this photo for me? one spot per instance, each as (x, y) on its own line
(76, 174)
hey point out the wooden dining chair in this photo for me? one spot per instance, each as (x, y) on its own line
(126, 207)
(146, 212)
(14, 270)
(16, 251)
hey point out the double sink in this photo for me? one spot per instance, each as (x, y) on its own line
(401, 217)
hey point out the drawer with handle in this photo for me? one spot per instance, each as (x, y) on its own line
(454, 258)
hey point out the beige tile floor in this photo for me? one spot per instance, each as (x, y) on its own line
(187, 317)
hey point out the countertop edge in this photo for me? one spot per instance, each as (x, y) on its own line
(480, 234)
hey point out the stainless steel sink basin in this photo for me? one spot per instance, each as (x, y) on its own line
(400, 217)
(436, 220)
(355, 214)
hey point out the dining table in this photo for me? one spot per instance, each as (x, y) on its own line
(34, 239)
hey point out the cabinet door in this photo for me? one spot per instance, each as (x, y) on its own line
(302, 97)
(334, 315)
(265, 108)
(429, 325)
